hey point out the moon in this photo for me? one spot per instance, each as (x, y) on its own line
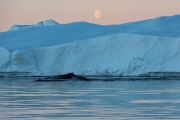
(97, 13)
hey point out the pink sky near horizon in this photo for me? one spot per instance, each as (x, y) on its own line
(65, 11)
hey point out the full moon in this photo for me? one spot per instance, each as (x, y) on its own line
(97, 13)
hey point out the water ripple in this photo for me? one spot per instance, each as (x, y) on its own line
(118, 100)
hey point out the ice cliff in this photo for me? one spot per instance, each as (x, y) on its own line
(100, 50)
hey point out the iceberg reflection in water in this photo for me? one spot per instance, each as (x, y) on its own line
(23, 98)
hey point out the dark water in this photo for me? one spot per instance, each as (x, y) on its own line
(24, 99)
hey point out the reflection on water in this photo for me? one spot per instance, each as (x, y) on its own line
(24, 99)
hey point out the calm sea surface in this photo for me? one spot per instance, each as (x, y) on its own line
(25, 99)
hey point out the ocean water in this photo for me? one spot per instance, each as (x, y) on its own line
(24, 99)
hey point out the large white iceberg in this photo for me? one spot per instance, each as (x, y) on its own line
(113, 54)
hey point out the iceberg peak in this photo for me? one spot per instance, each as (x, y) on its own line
(47, 23)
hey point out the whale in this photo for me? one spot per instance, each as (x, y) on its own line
(63, 77)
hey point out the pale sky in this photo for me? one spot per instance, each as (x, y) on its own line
(66, 11)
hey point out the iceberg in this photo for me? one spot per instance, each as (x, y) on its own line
(131, 49)
(41, 23)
